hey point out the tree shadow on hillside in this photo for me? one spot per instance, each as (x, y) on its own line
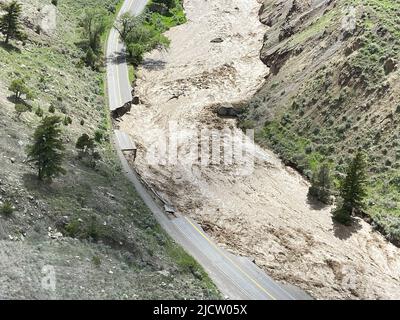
(344, 232)
(315, 204)
(34, 185)
(45, 189)
(16, 100)
(9, 47)
(82, 44)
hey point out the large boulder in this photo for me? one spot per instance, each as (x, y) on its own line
(47, 20)
(228, 110)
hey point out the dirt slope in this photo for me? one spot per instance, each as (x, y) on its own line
(264, 214)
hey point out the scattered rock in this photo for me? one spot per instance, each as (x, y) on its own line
(136, 100)
(164, 273)
(111, 195)
(390, 65)
(217, 40)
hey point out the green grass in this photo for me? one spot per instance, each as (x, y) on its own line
(291, 146)
(131, 73)
(317, 27)
(164, 23)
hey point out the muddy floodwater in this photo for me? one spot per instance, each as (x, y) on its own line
(261, 211)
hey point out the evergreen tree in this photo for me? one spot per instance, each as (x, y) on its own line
(10, 24)
(321, 185)
(46, 150)
(352, 189)
(19, 88)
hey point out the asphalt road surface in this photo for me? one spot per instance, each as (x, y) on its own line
(119, 87)
(236, 277)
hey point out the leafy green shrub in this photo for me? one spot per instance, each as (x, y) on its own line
(20, 88)
(96, 261)
(72, 228)
(98, 136)
(67, 121)
(39, 112)
(6, 209)
(84, 143)
(21, 108)
(89, 228)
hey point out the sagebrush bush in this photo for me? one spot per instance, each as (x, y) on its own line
(6, 209)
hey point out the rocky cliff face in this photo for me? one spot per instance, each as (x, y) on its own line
(332, 89)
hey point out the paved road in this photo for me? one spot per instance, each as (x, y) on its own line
(236, 277)
(119, 87)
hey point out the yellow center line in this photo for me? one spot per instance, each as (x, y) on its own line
(117, 70)
(238, 267)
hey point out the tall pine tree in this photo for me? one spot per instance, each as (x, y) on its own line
(352, 189)
(10, 24)
(46, 152)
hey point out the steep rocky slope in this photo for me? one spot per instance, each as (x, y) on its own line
(88, 231)
(333, 88)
